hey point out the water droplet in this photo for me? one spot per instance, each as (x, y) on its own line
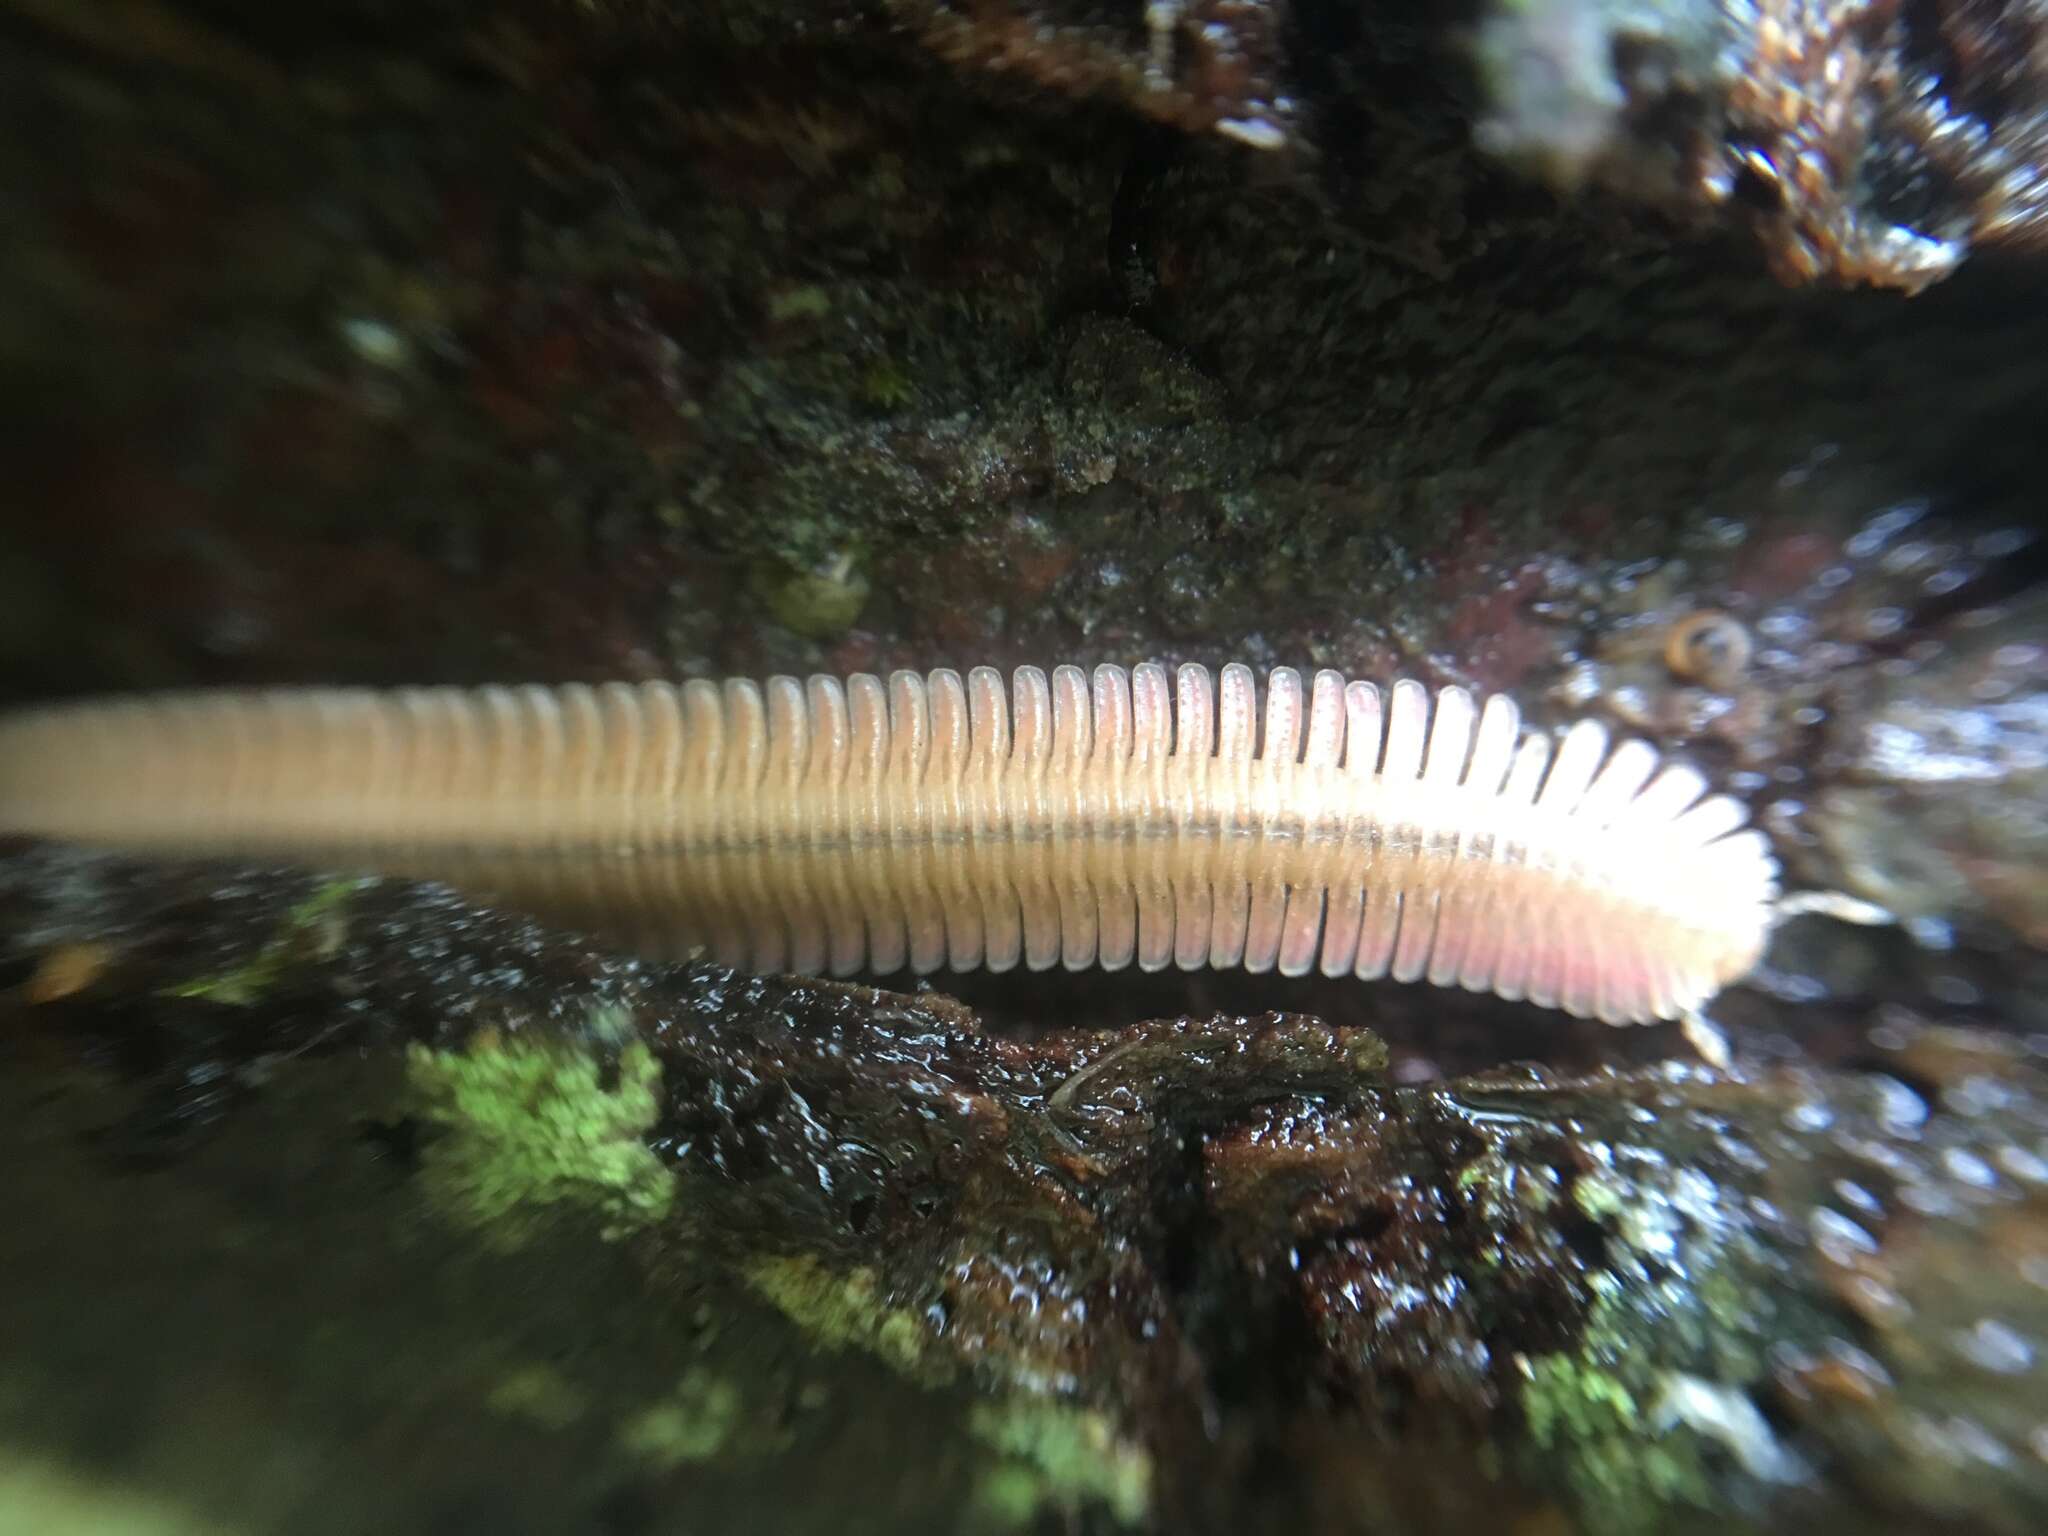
(1879, 530)
(1931, 933)
(1906, 557)
(1969, 1438)
(1812, 1116)
(1999, 544)
(1889, 1034)
(1943, 582)
(1901, 1109)
(1968, 1168)
(1840, 1240)
(1953, 990)
(1928, 1200)
(1879, 1301)
(375, 342)
(2022, 1164)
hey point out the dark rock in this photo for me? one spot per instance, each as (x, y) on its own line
(1862, 143)
(1211, 1250)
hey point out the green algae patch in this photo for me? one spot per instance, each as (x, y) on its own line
(530, 1124)
(694, 1423)
(1057, 1458)
(312, 930)
(843, 1309)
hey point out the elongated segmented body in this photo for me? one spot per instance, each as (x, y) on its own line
(934, 820)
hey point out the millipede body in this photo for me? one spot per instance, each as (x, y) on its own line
(936, 820)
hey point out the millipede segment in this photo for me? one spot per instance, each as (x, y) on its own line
(1077, 819)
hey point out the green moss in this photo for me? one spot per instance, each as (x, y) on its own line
(1622, 1467)
(809, 302)
(531, 1124)
(886, 386)
(1641, 1418)
(49, 1499)
(1567, 1400)
(1596, 1198)
(540, 1395)
(694, 1424)
(1057, 1456)
(314, 930)
(821, 603)
(842, 1309)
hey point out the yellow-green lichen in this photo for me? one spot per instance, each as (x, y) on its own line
(314, 929)
(529, 1124)
(842, 1309)
(1060, 1457)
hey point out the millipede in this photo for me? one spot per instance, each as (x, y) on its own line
(925, 821)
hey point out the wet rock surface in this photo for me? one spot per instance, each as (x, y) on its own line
(1197, 1272)
(1860, 143)
(1954, 741)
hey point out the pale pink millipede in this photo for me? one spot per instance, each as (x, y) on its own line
(937, 820)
